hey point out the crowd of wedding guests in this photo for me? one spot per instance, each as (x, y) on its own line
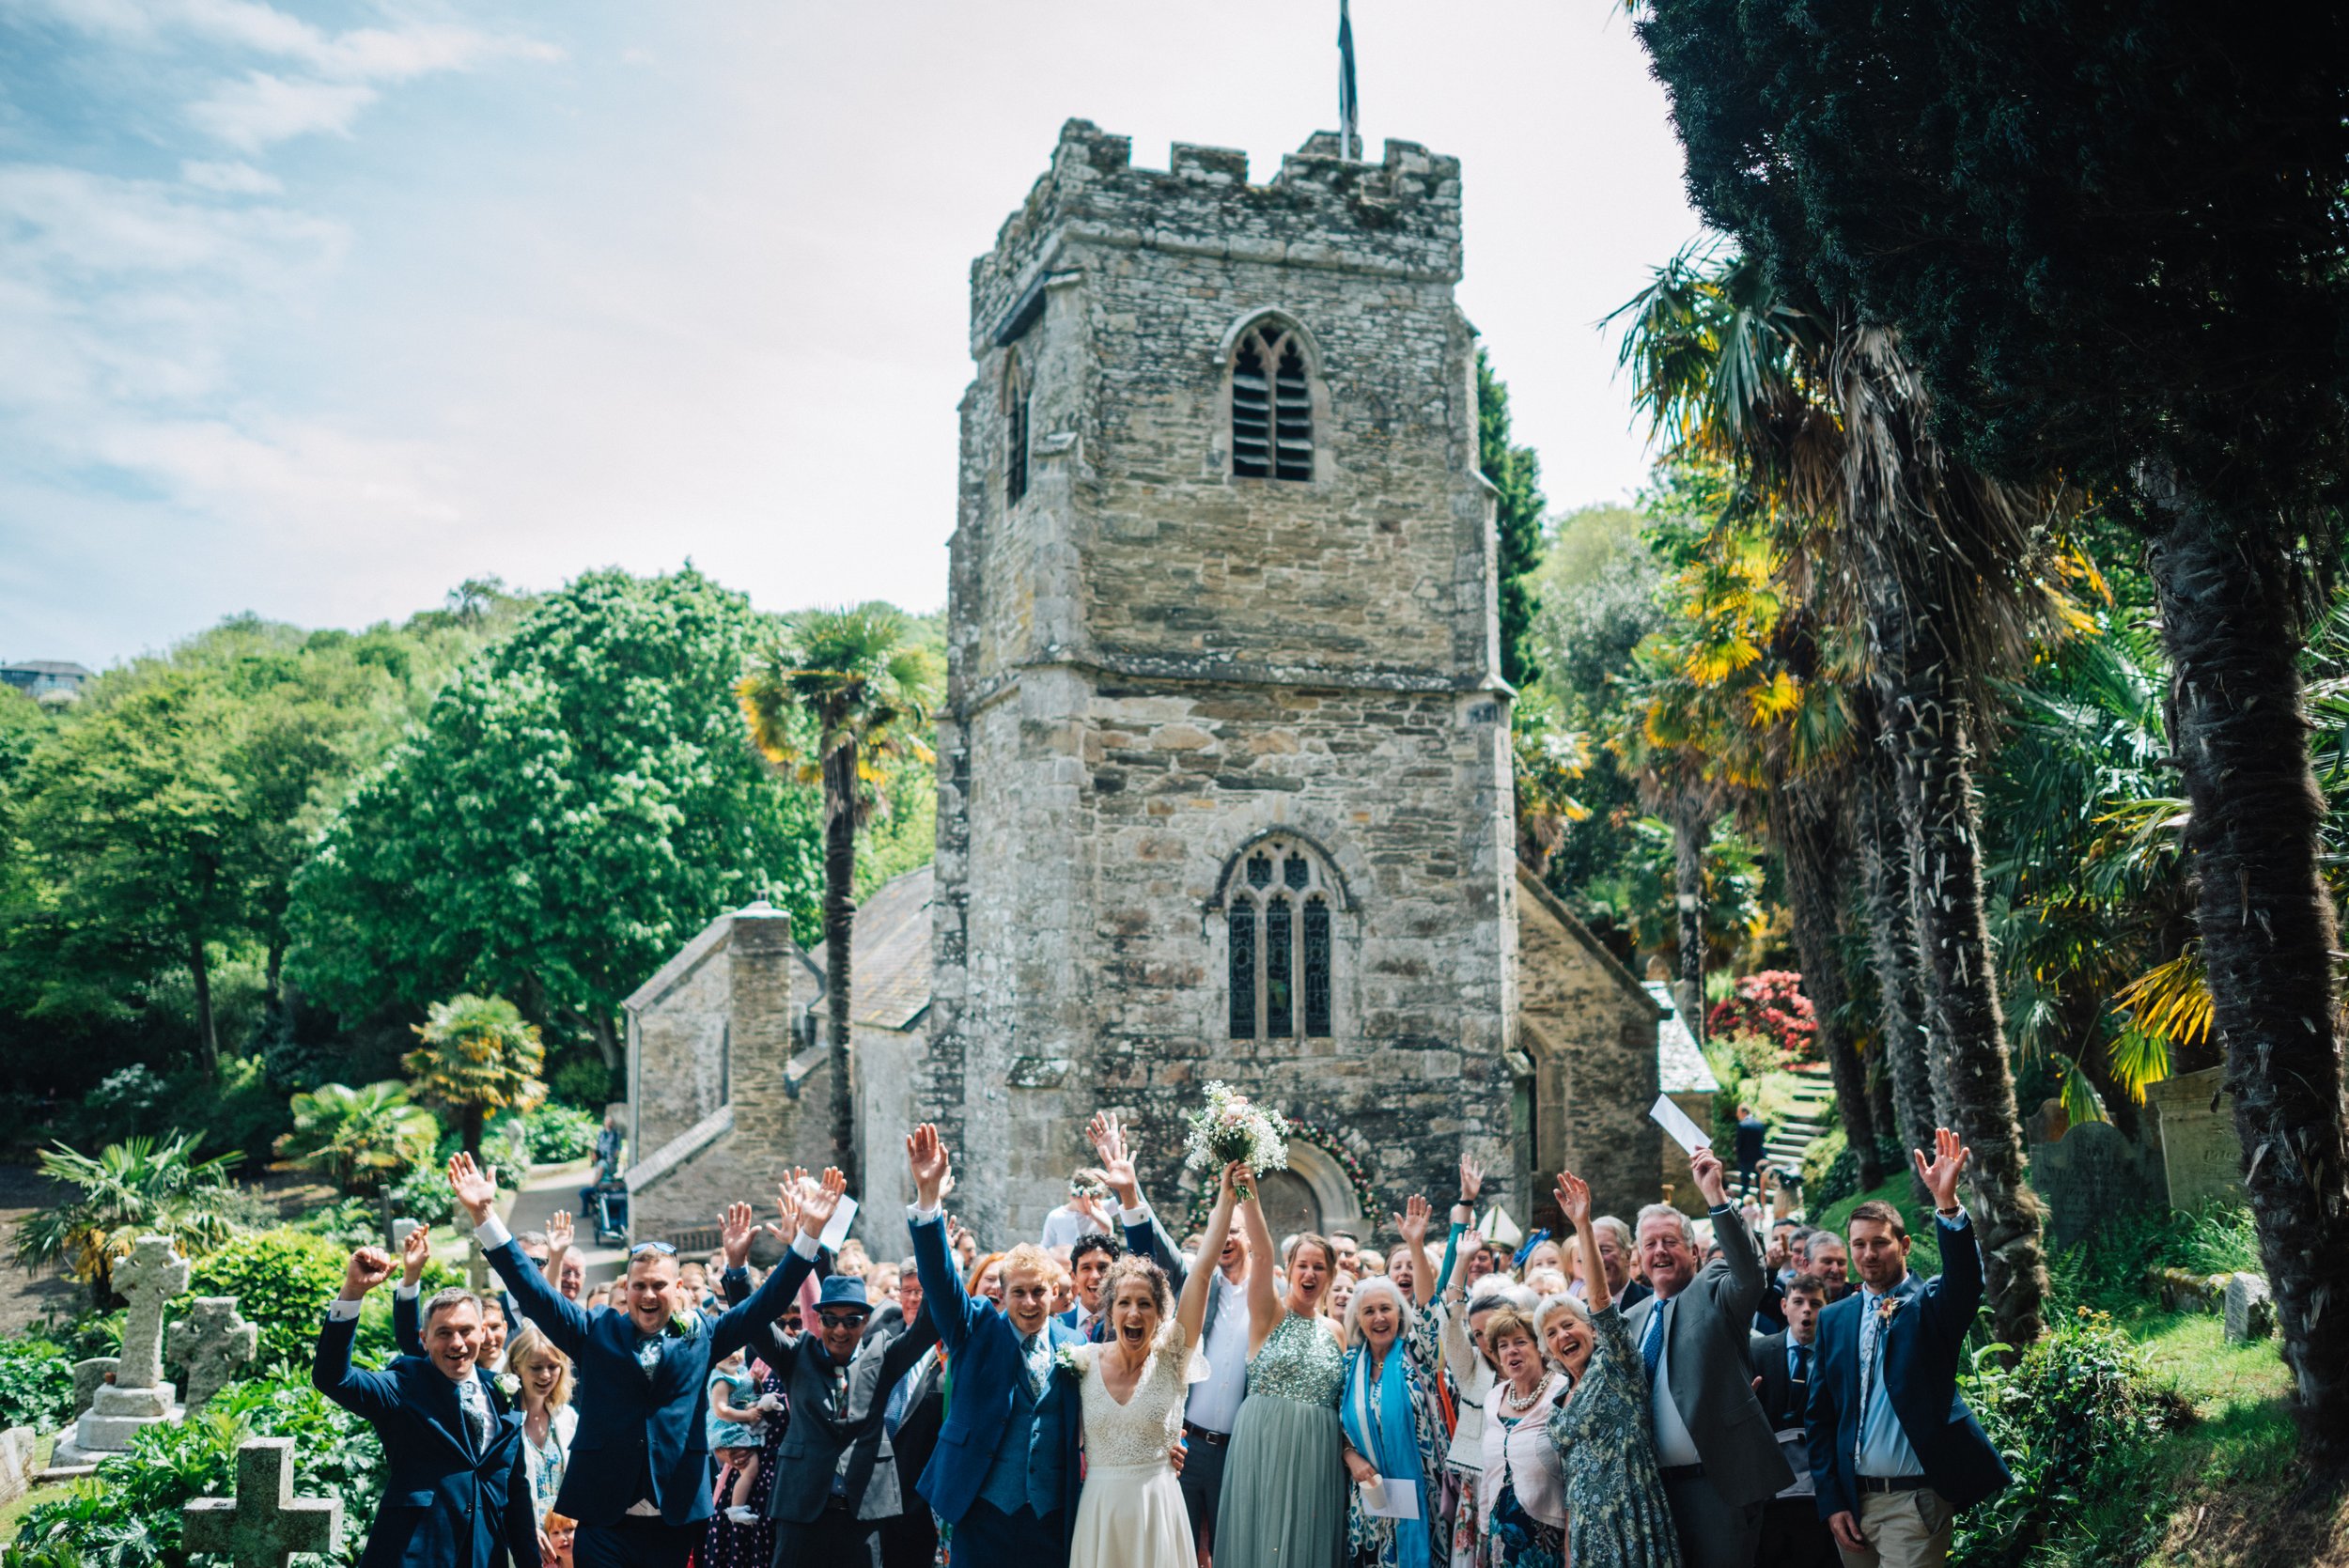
(1733, 1390)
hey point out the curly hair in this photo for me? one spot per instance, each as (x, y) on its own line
(1135, 1266)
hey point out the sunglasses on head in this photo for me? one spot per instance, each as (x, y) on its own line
(658, 1248)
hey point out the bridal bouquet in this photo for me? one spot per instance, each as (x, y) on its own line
(1230, 1127)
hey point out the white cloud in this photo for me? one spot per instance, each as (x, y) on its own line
(264, 108)
(234, 180)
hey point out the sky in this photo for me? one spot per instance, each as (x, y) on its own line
(315, 312)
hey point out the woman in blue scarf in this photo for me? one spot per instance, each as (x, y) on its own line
(1394, 1429)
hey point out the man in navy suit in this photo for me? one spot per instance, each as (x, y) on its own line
(1089, 1262)
(1894, 1452)
(456, 1487)
(1005, 1471)
(638, 1477)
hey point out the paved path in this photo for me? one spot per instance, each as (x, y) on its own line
(549, 1188)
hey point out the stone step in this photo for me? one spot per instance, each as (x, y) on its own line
(57, 1475)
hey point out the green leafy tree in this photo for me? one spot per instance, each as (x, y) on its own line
(479, 1055)
(127, 1190)
(1516, 472)
(2110, 236)
(361, 1138)
(830, 702)
(575, 805)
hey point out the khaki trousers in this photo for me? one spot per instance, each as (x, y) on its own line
(1904, 1530)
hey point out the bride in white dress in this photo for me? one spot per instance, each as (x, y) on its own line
(1130, 1514)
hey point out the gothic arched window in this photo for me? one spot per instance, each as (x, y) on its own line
(1015, 391)
(1272, 407)
(1278, 955)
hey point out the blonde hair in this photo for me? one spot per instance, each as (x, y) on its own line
(529, 1347)
(1028, 1257)
(1506, 1320)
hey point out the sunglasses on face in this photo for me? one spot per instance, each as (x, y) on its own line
(840, 1320)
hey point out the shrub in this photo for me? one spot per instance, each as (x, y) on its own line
(2076, 1418)
(558, 1134)
(361, 1138)
(129, 1514)
(2107, 1270)
(282, 1279)
(36, 1384)
(127, 1190)
(582, 1078)
(1771, 1004)
(1841, 1178)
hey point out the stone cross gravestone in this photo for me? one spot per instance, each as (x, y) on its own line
(477, 1267)
(138, 1396)
(212, 1341)
(264, 1523)
(2087, 1177)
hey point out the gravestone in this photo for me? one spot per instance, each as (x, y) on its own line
(89, 1377)
(264, 1523)
(212, 1341)
(16, 1463)
(402, 1229)
(2087, 1177)
(2202, 1154)
(477, 1267)
(2251, 1309)
(137, 1396)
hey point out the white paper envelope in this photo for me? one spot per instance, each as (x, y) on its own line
(1675, 1120)
(1396, 1499)
(837, 1232)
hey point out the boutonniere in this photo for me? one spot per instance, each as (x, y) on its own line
(682, 1324)
(1886, 1308)
(1067, 1361)
(508, 1384)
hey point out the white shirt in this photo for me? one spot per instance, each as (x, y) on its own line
(1214, 1404)
(1673, 1445)
(1064, 1224)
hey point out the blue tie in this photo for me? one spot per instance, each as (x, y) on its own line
(1652, 1344)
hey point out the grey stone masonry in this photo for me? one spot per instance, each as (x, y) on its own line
(212, 1341)
(1161, 670)
(264, 1524)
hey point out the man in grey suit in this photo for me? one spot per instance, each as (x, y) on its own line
(1714, 1445)
(1213, 1404)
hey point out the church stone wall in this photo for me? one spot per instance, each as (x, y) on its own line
(1153, 663)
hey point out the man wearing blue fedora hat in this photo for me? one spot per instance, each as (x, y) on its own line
(835, 1476)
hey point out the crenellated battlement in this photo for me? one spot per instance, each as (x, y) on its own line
(1399, 216)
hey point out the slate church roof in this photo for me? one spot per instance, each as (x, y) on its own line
(889, 960)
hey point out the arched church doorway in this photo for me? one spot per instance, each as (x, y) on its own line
(1289, 1205)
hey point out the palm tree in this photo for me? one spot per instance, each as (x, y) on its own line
(830, 701)
(1943, 568)
(361, 1138)
(130, 1190)
(478, 1055)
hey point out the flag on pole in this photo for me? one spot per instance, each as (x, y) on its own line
(1349, 112)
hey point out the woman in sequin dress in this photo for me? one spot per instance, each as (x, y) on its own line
(1616, 1516)
(1284, 1503)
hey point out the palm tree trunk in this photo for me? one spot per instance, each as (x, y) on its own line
(2268, 923)
(1933, 753)
(1807, 819)
(469, 1128)
(840, 796)
(1693, 828)
(207, 1029)
(1892, 938)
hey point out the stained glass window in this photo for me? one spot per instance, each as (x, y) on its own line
(1278, 967)
(1243, 972)
(1316, 968)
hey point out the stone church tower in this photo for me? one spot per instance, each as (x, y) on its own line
(1225, 784)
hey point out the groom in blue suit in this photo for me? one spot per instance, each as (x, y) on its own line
(456, 1489)
(638, 1477)
(1005, 1471)
(1894, 1452)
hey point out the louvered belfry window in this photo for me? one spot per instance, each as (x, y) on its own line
(1015, 429)
(1278, 952)
(1272, 409)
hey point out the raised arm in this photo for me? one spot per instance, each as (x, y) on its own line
(1412, 1222)
(563, 1322)
(406, 1331)
(1574, 1201)
(1192, 1310)
(1743, 1293)
(771, 1301)
(1264, 1296)
(949, 1306)
(559, 1235)
(1955, 1292)
(361, 1393)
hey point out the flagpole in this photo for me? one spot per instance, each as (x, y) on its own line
(1349, 110)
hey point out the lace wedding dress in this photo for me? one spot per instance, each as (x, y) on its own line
(1130, 1512)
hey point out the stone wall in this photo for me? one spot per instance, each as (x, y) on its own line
(1154, 664)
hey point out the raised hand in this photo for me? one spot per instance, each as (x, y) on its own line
(1574, 1198)
(475, 1192)
(1949, 1164)
(1471, 1179)
(1712, 1180)
(1107, 1135)
(734, 1231)
(817, 1201)
(415, 1252)
(560, 1232)
(787, 1209)
(925, 1154)
(1412, 1224)
(370, 1266)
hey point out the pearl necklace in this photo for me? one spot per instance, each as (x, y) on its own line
(1520, 1407)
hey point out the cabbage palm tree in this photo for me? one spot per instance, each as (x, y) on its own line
(361, 1138)
(478, 1055)
(841, 694)
(128, 1190)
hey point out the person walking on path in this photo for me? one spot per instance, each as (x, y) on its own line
(1617, 1514)
(1894, 1452)
(639, 1482)
(1753, 1139)
(456, 1485)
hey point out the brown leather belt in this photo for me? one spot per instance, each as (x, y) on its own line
(1213, 1439)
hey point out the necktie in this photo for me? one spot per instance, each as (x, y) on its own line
(1028, 1356)
(475, 1407)
(1871, 1348)
(1802, 1379)
(1651, 1343)
(649, 1356)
